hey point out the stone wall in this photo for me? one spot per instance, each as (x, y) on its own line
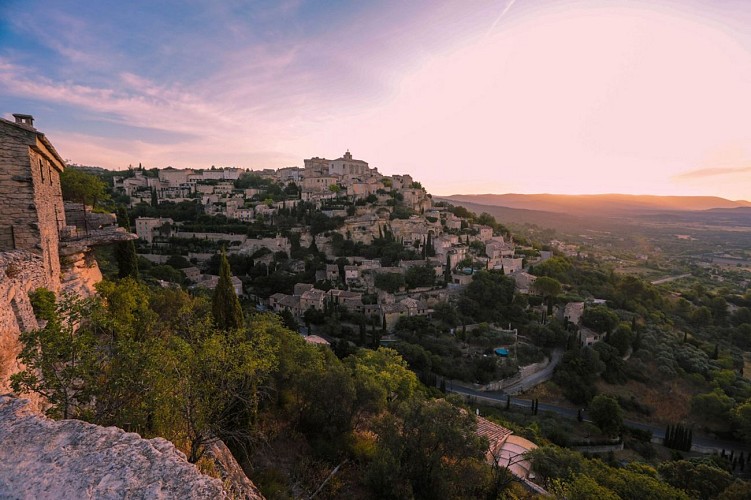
(20, 273)
(31, 205)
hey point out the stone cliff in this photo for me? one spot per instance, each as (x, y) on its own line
(20, 273)
(42, 458)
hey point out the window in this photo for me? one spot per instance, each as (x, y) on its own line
(41, 170)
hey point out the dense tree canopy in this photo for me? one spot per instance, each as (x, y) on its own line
(81, 187)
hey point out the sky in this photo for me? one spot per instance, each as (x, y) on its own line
(474, 96)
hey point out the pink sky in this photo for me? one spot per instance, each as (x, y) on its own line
(537, 96)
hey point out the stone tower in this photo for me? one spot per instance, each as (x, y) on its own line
(31, 203)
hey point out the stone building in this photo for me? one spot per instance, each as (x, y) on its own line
(348, 165)
(31, 203)
(37, 246)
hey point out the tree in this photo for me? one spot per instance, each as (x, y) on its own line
(600, 318)
(418, 276)
(549, 288)
(389, 282)
(428, 449)
(621, 338)
(701, 316)
(289, 321)
(81, 187)
(207, 385)
(576, 374)
(713, 407)
(615, 367)
(381, 377)
(742, 418)
(700, 479)
(59, 359)
(606, 413)
(225, 306)
(487, 297)
(125, 251)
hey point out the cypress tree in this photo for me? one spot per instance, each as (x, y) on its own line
(125, 251)
(225, 306)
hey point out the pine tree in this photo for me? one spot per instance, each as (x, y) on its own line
(125, 251)
(225, 306)
(154, 199)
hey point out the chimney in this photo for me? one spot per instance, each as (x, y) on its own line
(27, 120)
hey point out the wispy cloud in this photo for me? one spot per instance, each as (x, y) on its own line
(505, 10)
(703, 173)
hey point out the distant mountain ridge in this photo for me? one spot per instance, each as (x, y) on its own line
(598, 204)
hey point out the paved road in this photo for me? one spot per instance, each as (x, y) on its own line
(537, 378)
(657, 430)
(670, 278)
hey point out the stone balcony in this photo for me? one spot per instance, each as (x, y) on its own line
(74, 239)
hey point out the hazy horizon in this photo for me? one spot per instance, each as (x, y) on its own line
(513, 96)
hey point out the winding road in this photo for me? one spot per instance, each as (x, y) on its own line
(701, 443)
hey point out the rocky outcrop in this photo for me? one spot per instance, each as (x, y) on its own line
(41, 458)
(236, 482)
(20, 272)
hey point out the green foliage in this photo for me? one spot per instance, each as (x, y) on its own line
(615, 367)
(208, 383)
(582, 487)
(127, 260)
(125, 251)
(401, 212)
(59, 359)
(225, 306)
(742, 418)
(549, 288)
(606, 413)
(576, 373)
(419, 276)
(44, 304)
(380, 377)
(178, 262)
(390, 282)
(563, 469)
(555, 267)
(546, 286)
(621, 338)
(600, 319)
(700, 479)
(428, 449)
(487, 297)
(678, 437)
(81, 187)
(713, 407)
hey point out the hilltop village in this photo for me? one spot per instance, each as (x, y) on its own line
(373, 329)
(389, 250)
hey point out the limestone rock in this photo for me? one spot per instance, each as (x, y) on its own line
(236, 482)
(42, 458)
